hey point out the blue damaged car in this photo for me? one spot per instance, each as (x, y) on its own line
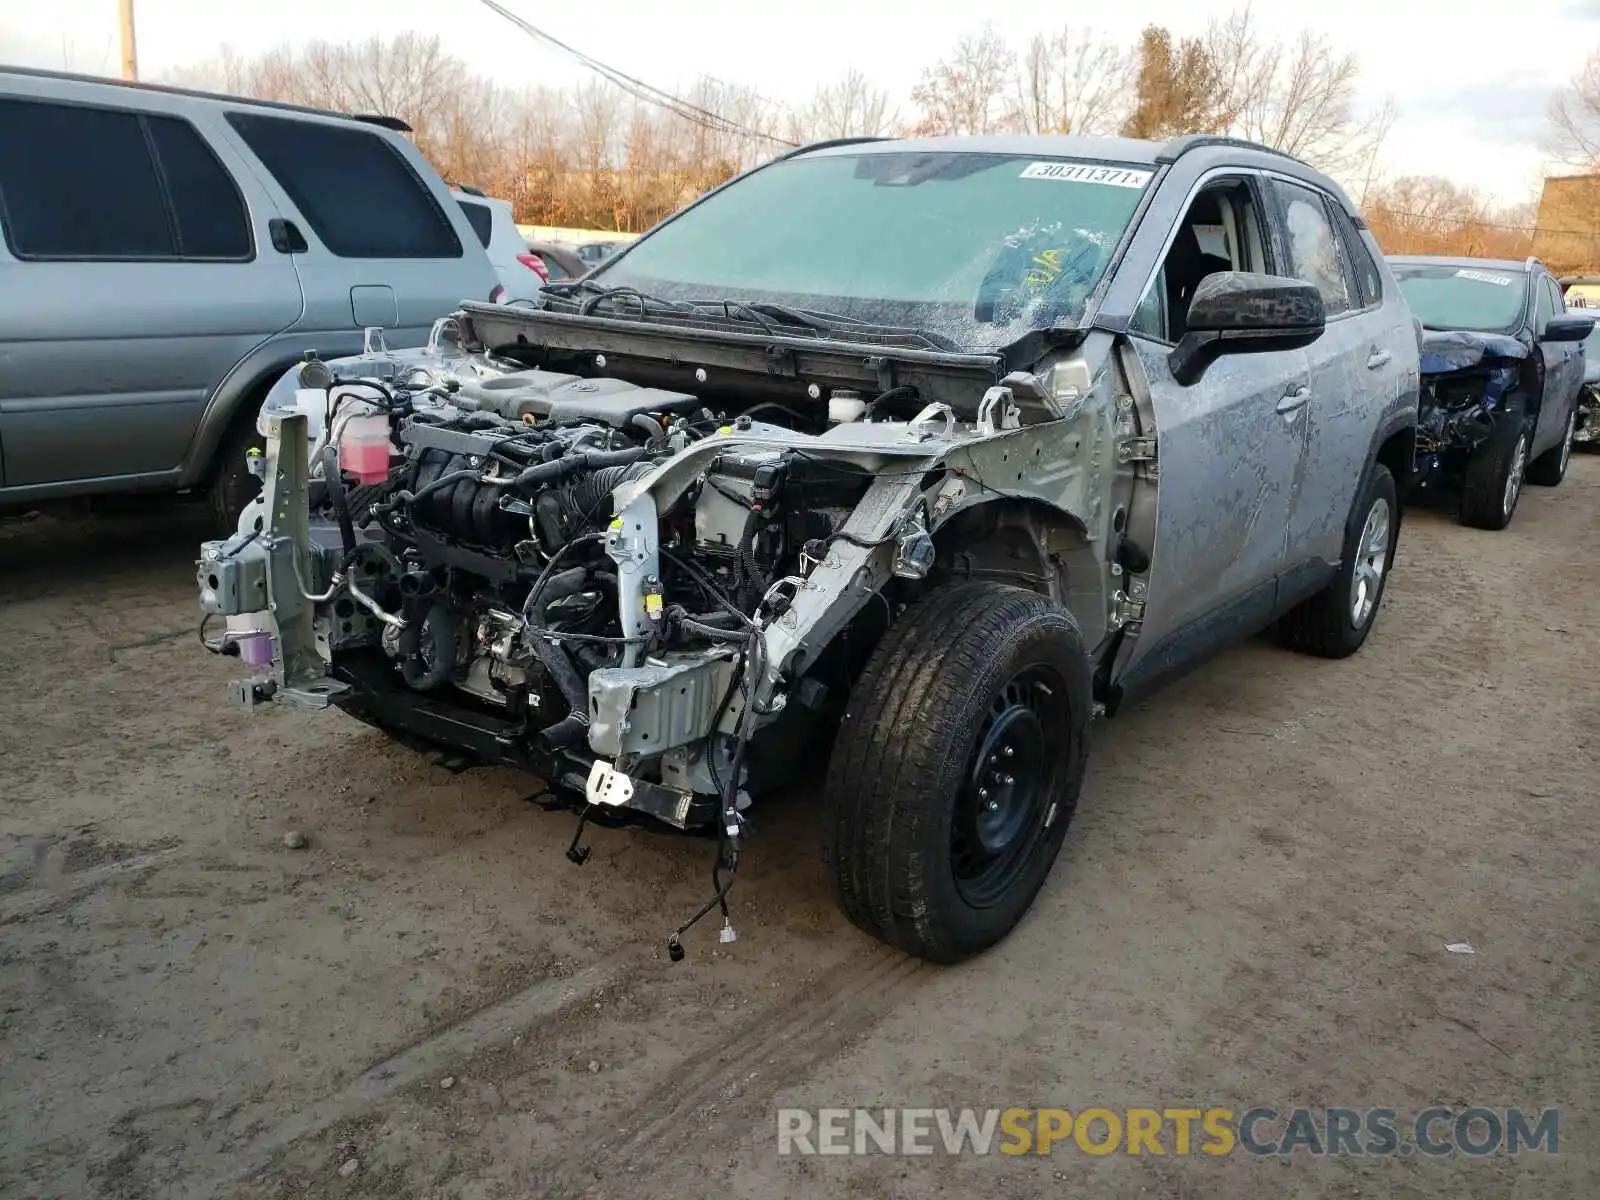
(1502, 369)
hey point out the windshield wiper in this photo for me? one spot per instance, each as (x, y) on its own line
(600, 294)
(764, 312)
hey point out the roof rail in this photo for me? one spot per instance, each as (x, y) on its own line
(1179, 146)
(828, 143)
(378, 119)
(469, 190)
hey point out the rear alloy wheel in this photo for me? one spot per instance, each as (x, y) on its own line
(1335, 622)
(956, 771)
(1494, 476)
(1550, 468)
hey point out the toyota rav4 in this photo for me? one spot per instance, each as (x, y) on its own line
(921, 452)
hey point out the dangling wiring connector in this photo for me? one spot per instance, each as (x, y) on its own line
(727, 857)
(576, 854)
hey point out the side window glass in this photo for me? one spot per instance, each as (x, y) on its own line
(1313, 247)
(359, 194)
(206, 203)
(1543, 311)
(1363, 270)
(1204, 243)
(1148, 318)
(481, 220)
(79, 183)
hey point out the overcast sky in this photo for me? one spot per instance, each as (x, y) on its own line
(1472, 78)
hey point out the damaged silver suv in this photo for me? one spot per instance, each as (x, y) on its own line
(917, 454)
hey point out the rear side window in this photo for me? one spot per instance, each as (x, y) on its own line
(1363, 270)
(480, 218)
(1313, 248)
(358, 192)
(79, 182)
(206, 206)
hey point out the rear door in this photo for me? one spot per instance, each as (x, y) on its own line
(133, 280)
(1357, 366)
(376, 237)
(1563, 367)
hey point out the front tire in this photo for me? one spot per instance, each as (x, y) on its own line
(1335, 622)
(1494, 476)
(957, 768)
(1550, 468)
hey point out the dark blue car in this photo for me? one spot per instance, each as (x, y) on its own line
(1502, 369)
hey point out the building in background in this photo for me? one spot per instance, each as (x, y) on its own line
(1567, 237)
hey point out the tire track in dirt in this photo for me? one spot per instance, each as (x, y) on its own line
(732, 1084)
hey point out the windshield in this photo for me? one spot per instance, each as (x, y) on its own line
(1444, 297)
(976, 248)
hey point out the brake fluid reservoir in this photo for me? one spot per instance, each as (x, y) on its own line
(364, 448)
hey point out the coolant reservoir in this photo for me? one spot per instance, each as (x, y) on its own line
(845, 406)
(364, 448)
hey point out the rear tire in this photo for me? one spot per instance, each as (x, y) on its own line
(232, 485)
(1335, 622)
(1493, 482)
(1550, 468)
(957, 768)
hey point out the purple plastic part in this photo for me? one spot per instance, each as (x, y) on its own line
(255, 649)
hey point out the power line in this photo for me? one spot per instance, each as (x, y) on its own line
(635, 87)
(1474, 222)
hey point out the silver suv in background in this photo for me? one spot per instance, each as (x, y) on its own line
(168, 254)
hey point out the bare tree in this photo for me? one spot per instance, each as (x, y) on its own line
(848, 107)
(1300, 96)
(1072, 81)
(965, 94)
(1429, 215)
(1575, 118)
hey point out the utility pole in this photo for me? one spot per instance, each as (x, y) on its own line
(130, 57)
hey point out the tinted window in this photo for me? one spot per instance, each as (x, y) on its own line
(205, 202)
(1313, 248)
(79, 182)
(557, 271)
(480, 218)
(358, 193)
(1449, 297)
(1363, 270)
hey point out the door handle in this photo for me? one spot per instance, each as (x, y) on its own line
(1294, 399)
(286, 236)
(1378, 359)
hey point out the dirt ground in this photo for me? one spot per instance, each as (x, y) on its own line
(1252, 909)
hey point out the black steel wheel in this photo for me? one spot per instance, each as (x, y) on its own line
(957, 768)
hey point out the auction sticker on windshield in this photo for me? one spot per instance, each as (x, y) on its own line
(1484, 277)
(1070, 172)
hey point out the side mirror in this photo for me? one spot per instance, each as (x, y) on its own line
(1571, 327)
(1236, 312)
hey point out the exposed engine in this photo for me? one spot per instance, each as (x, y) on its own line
(484, 544)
